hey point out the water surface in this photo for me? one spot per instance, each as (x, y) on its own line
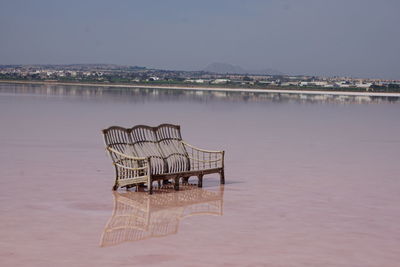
(310, 182)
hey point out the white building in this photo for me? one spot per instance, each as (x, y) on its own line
(220, 81)
(363, 85)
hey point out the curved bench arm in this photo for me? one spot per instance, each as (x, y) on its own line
(202, 150)
(202, 159)
(130, 169)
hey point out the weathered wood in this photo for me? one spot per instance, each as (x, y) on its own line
(176, 184)
(200, 183)
(222, 171)
(150, 181)
(222, 177)
(144, 154)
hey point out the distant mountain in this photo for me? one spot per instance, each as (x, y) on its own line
(223, 68)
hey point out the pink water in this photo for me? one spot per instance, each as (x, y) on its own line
(308, 184)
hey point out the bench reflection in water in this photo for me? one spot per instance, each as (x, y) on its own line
(139, 216)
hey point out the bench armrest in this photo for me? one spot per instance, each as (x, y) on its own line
(201, 159)
(129, 168)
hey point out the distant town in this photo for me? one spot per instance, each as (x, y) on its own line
(116, 74)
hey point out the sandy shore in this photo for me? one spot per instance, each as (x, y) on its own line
(200, 88)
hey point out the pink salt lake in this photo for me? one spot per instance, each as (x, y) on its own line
(309, 183)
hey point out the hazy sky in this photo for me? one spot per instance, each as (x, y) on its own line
(359, 38)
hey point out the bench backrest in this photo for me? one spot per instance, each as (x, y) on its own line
(163, 144)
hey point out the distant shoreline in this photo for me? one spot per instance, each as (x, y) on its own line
(220, 89)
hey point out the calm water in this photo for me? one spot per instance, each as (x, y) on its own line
(310, 182)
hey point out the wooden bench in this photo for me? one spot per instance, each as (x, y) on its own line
(144, 154)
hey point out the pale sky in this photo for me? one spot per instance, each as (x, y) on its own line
(359, 38)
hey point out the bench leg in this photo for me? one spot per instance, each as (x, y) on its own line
(185, 180)
(222, 177)
(115, 187)
(200, 183)
(150, 187)
(176, 184)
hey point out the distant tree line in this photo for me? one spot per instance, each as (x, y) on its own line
(389, 88)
